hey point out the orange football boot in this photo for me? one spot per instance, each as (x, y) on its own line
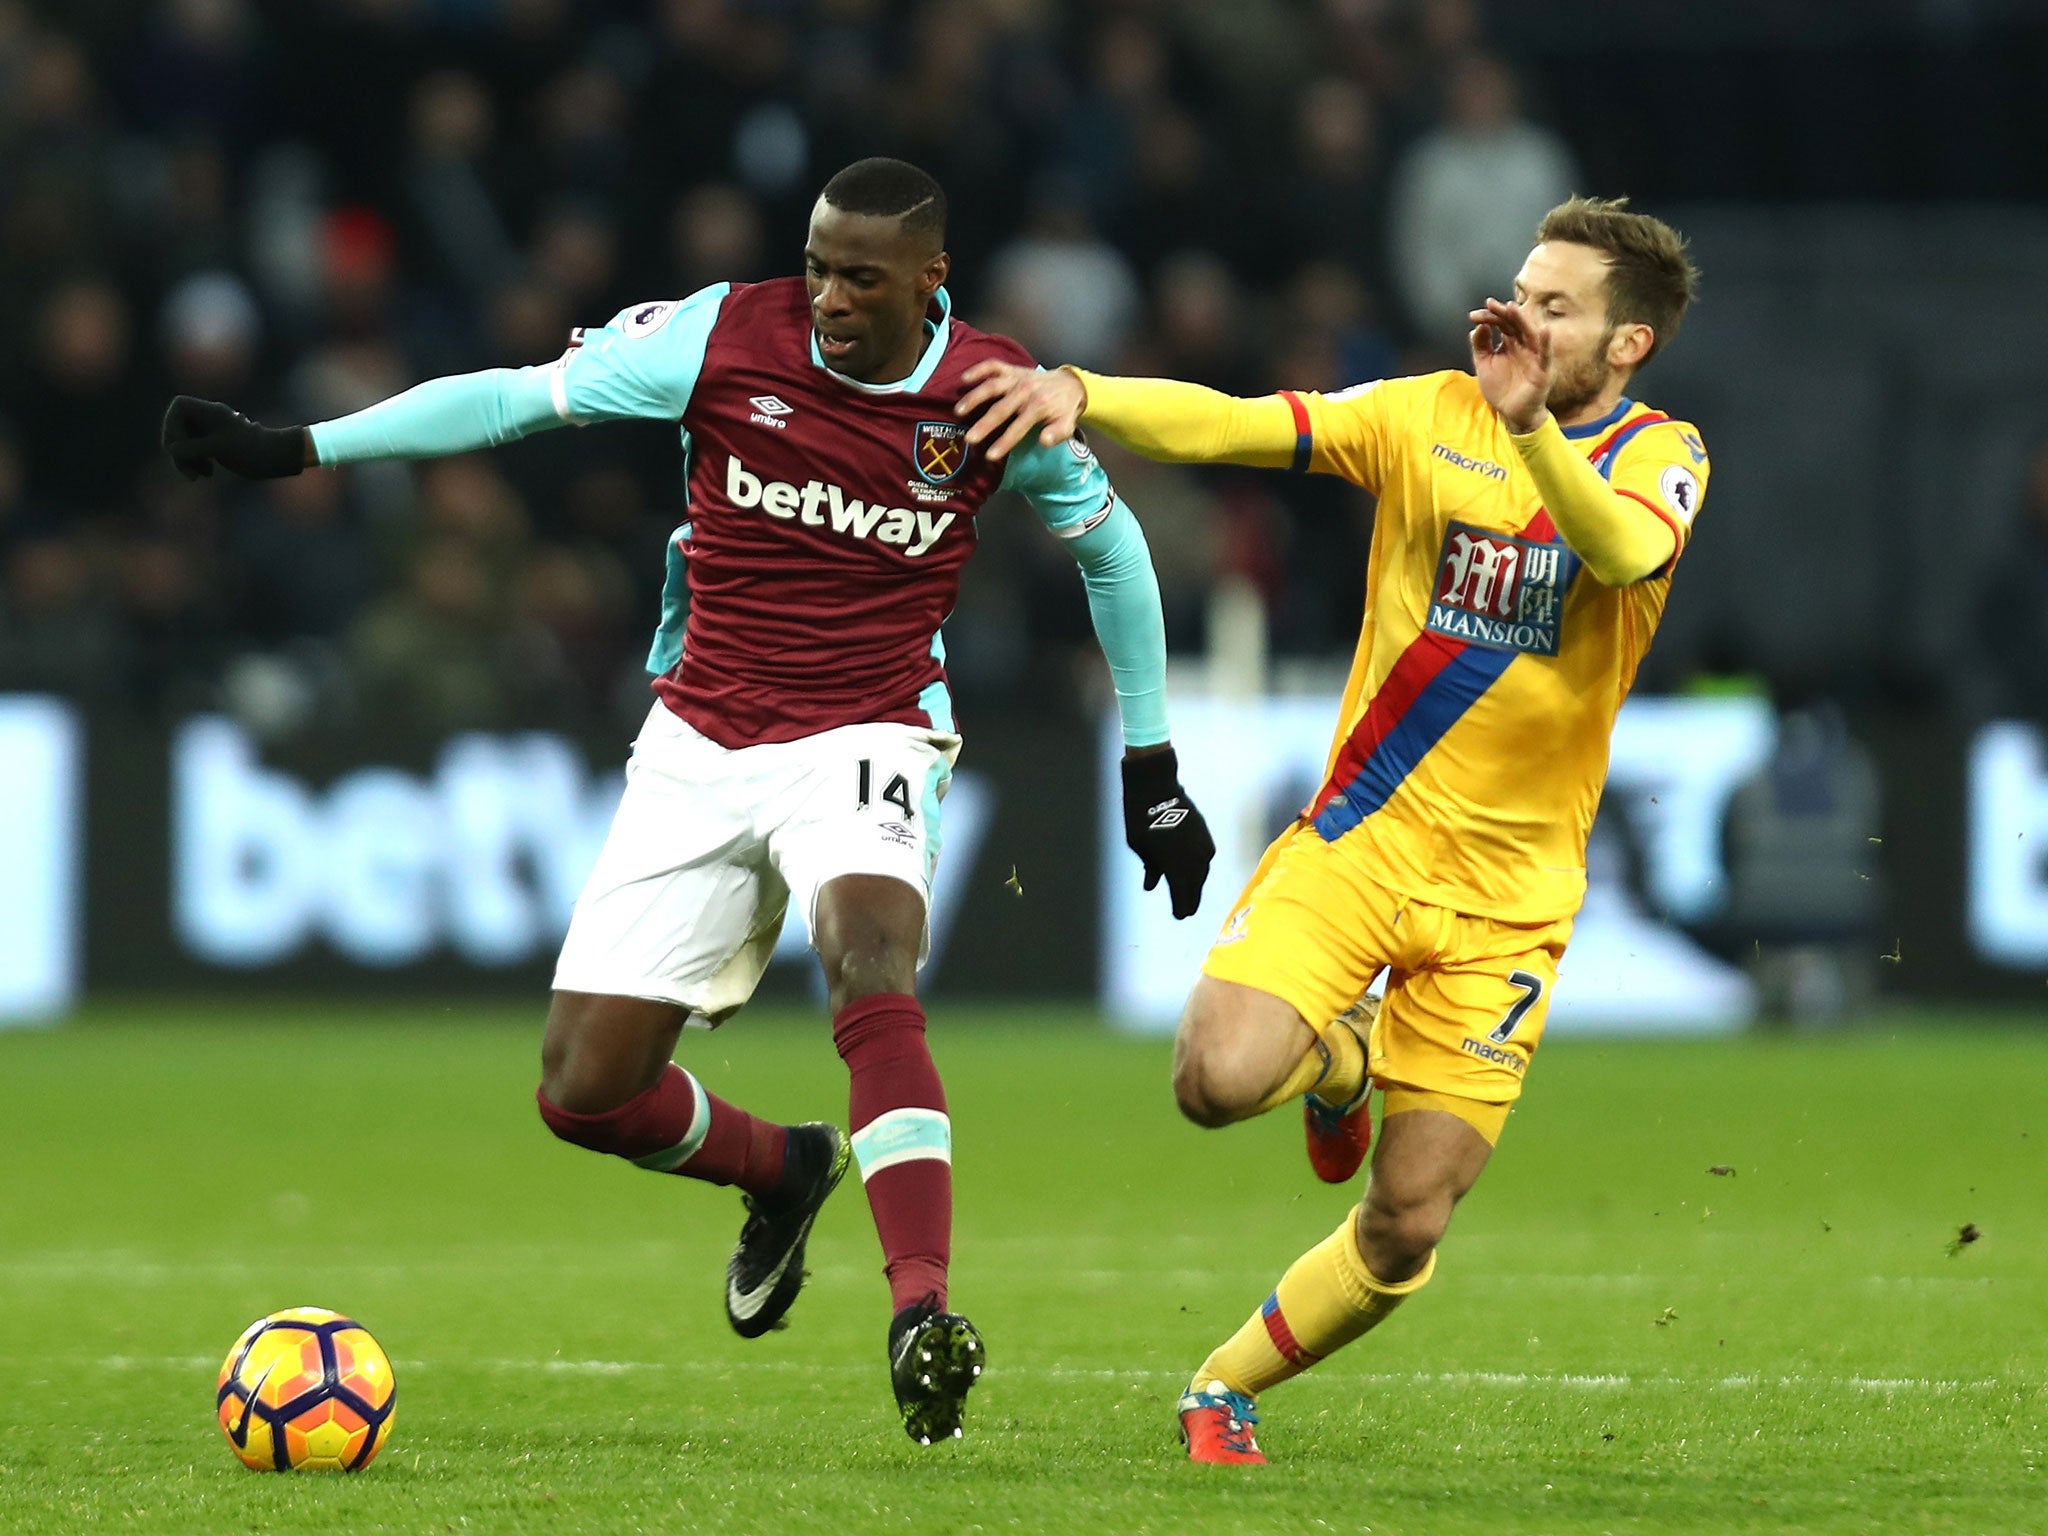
(1339, 1135)
(1216, 1425)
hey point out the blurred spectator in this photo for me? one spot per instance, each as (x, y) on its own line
(21, 517)
(59, 157)
(715, 237)
(450, 185)
(1332, 205)
(1061, 289)
(359, 271)
(56, 633)
(1179, 194)
(843, 60)
(284, 219)
(359, 362)
(211, 329)
(1200, 325)
(1803, 895)
(468, 499)
(583, 146)
(191, 68)
(1467, 200)
(172, 620)
(298, 566)
(529, 322)
(943, 110)
(1333, 315)
(570, 648)
(174, 204)
(434, 656)
(576, 253)
(2012, 617)
(1127, 84)
(86, 383)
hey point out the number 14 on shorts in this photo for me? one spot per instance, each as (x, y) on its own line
(896, 791)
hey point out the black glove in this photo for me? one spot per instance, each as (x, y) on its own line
(199, 434)
(1165, 830)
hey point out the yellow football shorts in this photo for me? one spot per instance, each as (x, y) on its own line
(1466, 996)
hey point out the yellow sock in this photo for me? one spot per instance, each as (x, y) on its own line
(1333, 1068)
(1326, 1299)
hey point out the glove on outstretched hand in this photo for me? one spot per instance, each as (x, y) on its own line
(1165, 830)
(199, 434)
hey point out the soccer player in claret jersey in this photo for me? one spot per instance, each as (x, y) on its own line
(803, 735)
(1529, 518)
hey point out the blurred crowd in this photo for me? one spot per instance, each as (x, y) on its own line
(302, 208)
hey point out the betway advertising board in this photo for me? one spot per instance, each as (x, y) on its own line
(138, 858)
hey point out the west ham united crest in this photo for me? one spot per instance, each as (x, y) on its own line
(938, 450)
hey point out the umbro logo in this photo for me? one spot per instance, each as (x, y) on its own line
(769, 411)
(1169, 814)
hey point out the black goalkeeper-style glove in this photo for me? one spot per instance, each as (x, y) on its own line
(1165, 830)
(199, 434)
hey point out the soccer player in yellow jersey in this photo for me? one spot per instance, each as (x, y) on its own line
(1530, 514)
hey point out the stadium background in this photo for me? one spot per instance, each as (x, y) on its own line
(285, 735)
(299, 779)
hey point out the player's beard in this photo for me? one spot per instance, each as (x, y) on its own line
(1580, 380)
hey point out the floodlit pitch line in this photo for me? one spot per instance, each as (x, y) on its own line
(115, 1267)
(1568, 1379)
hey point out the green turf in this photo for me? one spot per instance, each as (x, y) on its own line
(1618, 1340)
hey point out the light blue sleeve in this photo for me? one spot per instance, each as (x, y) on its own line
(451, 415)
(644, 363)
(1071, 493)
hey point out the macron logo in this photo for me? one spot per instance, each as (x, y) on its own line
(769, 411)
(818, 505)
(1458, 460)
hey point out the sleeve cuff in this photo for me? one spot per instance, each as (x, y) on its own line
(1530, 444)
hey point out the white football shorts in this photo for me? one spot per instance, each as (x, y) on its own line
(710, 844)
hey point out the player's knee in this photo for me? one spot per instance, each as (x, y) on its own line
(1210, 1082)
(867, 967)
(570, 1084)
(1198, 1099)
(867, 961)
(869, 928)
(577, 1077)
(1397, 1231)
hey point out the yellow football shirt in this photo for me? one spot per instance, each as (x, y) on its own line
(1472, 744)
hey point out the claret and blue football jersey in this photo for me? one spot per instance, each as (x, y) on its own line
(829, 520)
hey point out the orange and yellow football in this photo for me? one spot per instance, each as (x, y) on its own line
(306, 1390)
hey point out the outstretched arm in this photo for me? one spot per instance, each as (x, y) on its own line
(1160, 418)
(1620, 538)
(450, 415)
(457, 414)
(644, 363)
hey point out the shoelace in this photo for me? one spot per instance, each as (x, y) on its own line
(1329, 1116)
(1237, 1428)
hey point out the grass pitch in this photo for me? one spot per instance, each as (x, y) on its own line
(1622, 1337)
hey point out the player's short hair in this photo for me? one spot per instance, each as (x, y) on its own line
(892, 189)
(1649, 279)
